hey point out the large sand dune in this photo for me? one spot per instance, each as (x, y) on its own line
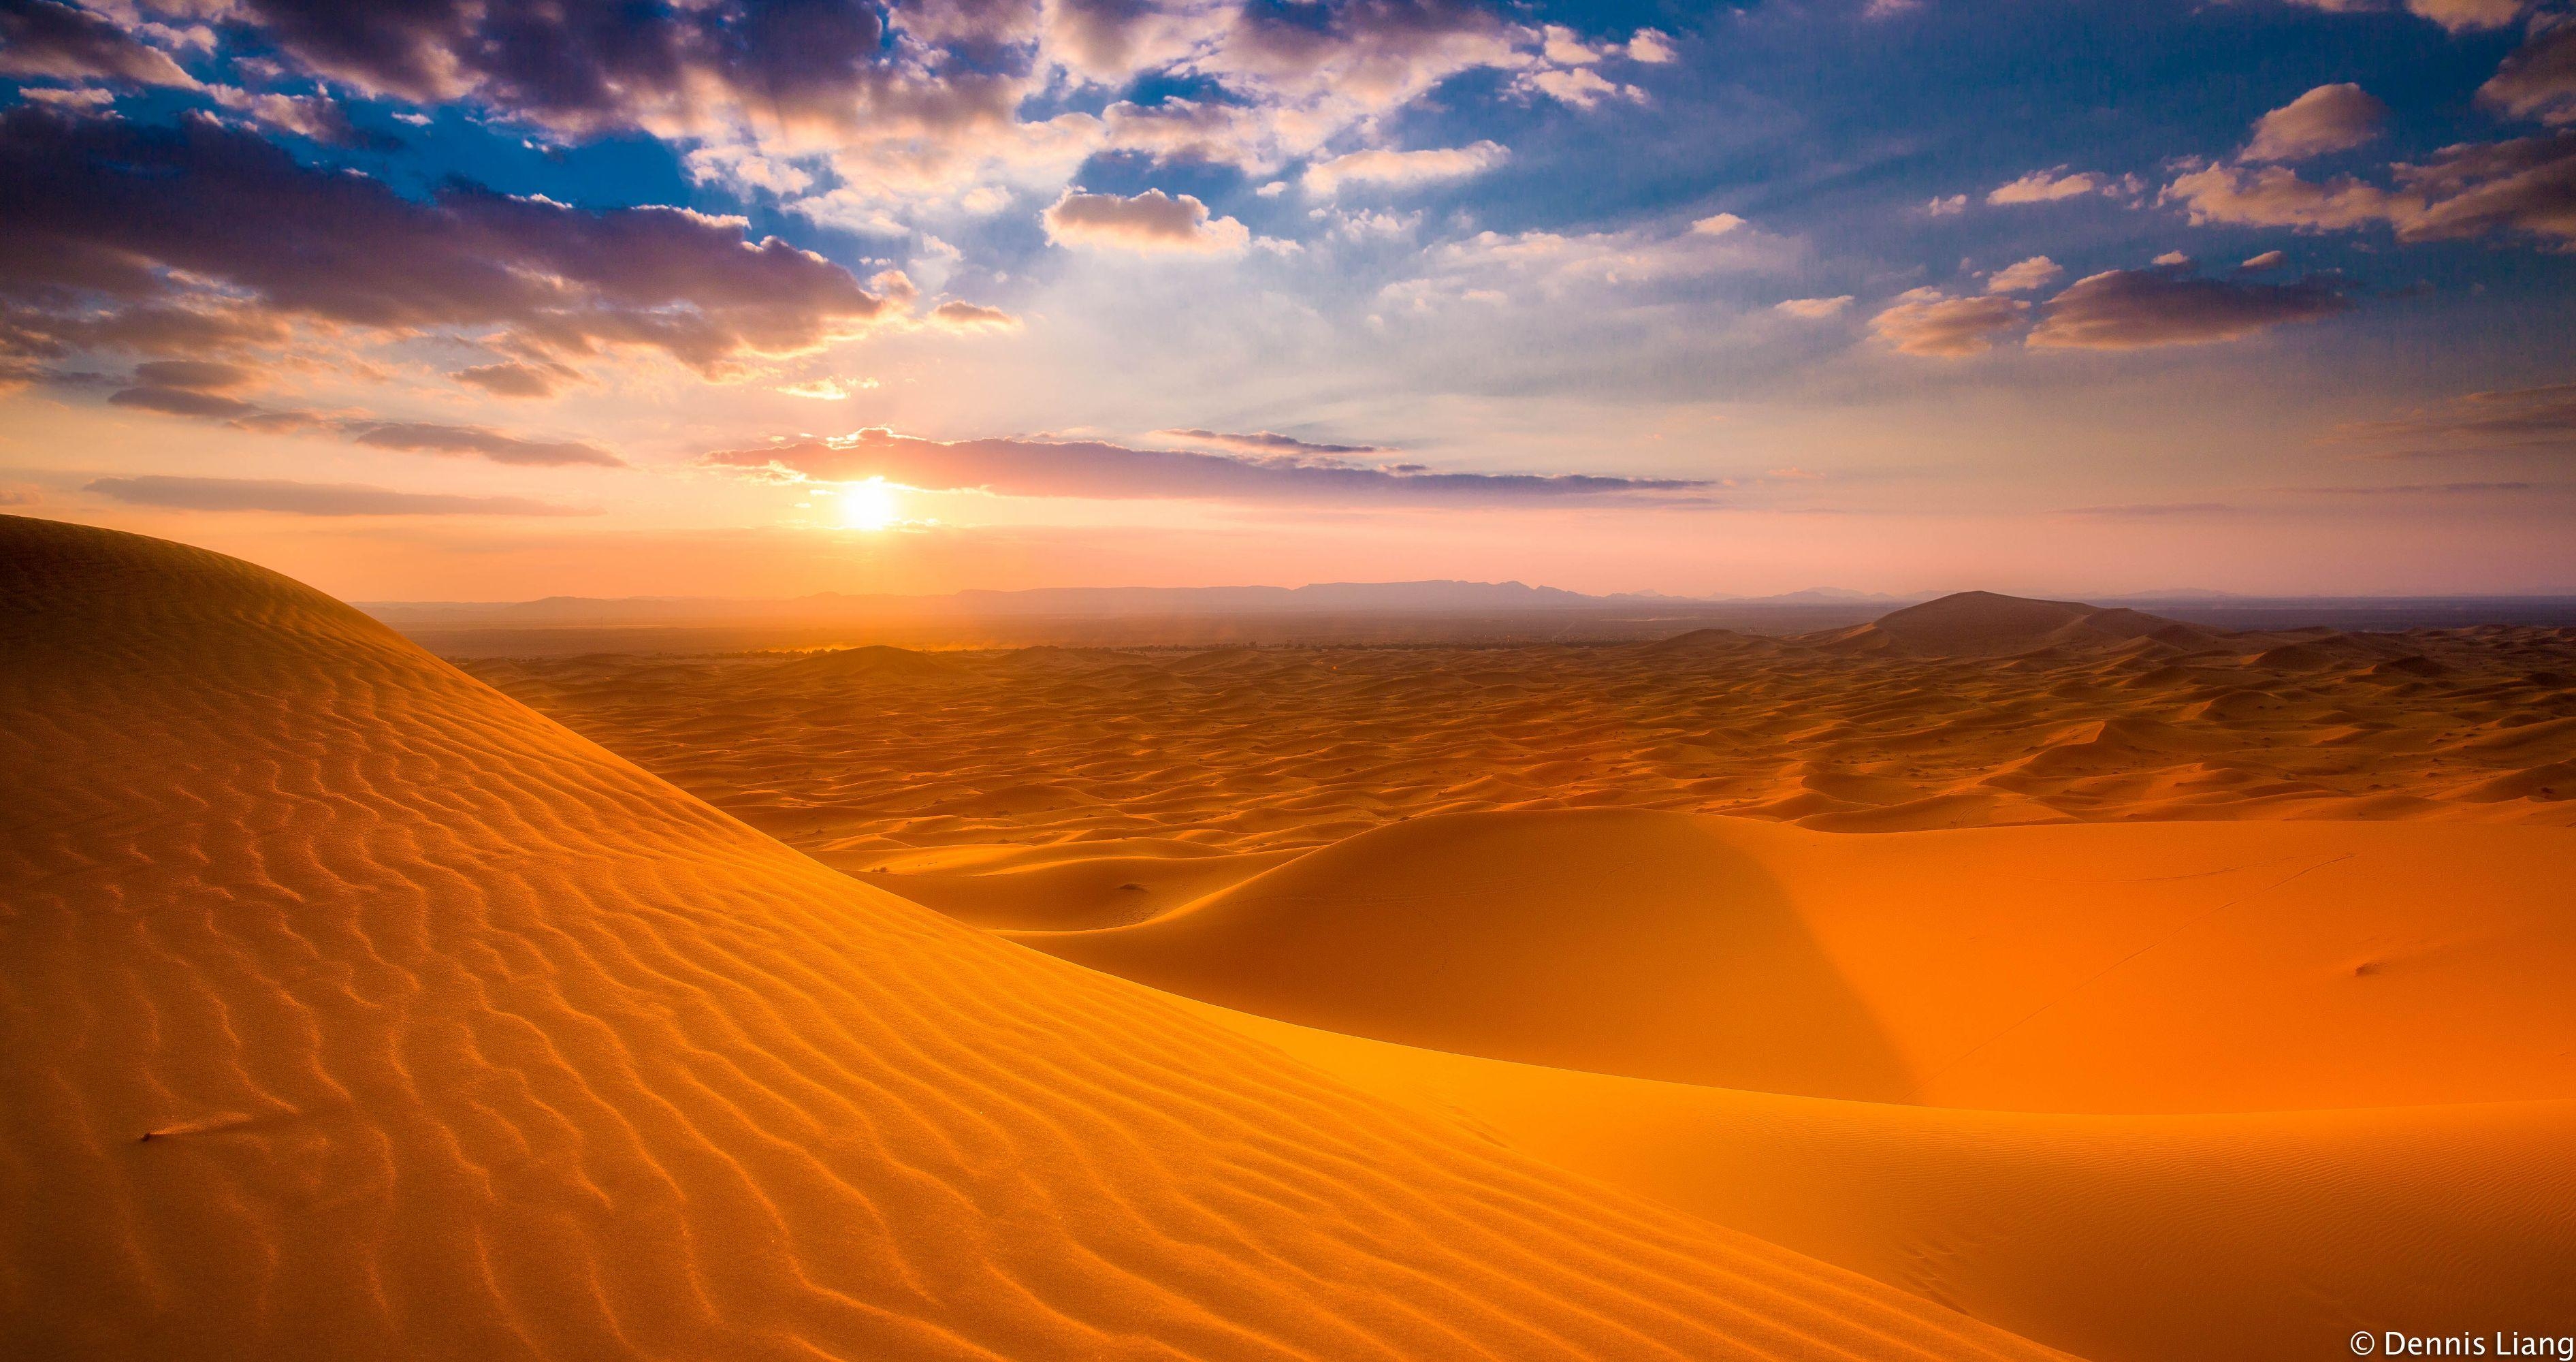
(2116, 968)
(348, 1009)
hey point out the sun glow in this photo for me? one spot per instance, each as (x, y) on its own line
(870, 505)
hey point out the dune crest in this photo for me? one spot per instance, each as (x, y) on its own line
(456, 1036)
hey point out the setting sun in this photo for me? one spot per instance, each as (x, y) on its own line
(869, 505)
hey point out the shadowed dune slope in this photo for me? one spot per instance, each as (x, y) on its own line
(1984, 624)
(455, 1036)
(2107, 968)
(2249, 1237)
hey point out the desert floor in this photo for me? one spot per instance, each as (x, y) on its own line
(1999, 980)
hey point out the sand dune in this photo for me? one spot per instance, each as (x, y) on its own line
(1983, 624)
(2257, 1236)
(2160, 968)
(352, 1010)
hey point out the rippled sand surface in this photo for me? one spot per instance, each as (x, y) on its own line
(350, 1009)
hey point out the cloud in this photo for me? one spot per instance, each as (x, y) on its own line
(1263, 442)
(1091, 469)
(2268, 260)
(2149, 510)
(1947, 207)
(1717, 224)
(1492, 267)
(2325, 119)
(2023, 277)
(419, 437)
(960, 316)
(175, 401)
(1151, 223)
(515, 379)
(201, 374)
(2461, 15)
(1926, 322)
(311, 498)
(2539, 80)
(1652, 46)
(315, 116)
(428, 437)
(65, 42)
(828, 389)
(2542, 418)
(2134, 309)
(2454, 15)
(1814, 309)
(1580, 87)
(2468, 190)
(1403, 167)
(116, 222)
(2275, 196)
(2436, 489)
(2044, 186)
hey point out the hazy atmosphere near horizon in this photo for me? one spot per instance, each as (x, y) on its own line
(1287, 680)
(2076, 298)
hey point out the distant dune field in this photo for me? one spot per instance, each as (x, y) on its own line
(1999, 979)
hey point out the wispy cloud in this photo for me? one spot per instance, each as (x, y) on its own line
(312, 498)
(1095, 469)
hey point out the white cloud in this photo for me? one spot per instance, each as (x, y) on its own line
(1151, 223)
(2326, 119)
(2025, 276)
(1403, 167)
(2046, 186)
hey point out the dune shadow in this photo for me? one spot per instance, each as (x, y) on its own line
(1655, 945)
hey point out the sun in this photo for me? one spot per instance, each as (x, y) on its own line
(870, 505)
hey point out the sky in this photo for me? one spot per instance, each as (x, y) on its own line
(441, 300)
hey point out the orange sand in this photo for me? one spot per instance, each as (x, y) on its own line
(2265, 1039)
(2072, 979)
(453, 1035)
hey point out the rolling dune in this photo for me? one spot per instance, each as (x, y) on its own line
(2255, 1236)
(353, 1010)
(2105, 968)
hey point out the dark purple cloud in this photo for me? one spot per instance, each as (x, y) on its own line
(64, 42)
(588, 65)
(2133, 309)
(416, 437)
(1089, 468)
(311, 498)
(96, 214)
(426, 437)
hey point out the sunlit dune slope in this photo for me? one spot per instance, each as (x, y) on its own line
(2174, 967)
(454, 1036)
(2249, 1237)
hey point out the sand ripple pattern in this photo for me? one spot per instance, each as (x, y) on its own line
(863, 755)
(348, 1009)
